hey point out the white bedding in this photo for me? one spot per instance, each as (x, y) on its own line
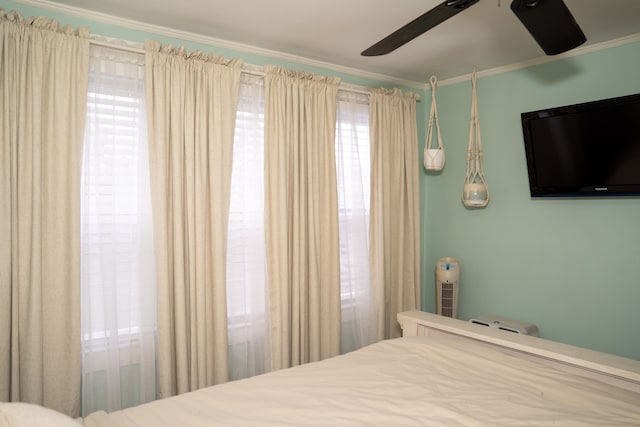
(413, 381)
(18, 414)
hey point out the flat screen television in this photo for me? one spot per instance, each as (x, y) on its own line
(590, 149)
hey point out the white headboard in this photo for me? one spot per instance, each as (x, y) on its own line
(612, 369)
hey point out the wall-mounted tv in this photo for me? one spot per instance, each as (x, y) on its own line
(590, 149)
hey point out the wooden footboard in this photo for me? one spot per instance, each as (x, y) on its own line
(605, 367)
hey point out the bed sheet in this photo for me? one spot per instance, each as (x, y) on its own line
(411, 381)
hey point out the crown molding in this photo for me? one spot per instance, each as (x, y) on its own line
(212, 41)
(545, 59)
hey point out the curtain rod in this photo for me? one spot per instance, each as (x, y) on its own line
(132, 49)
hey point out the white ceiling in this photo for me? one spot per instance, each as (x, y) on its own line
(485, 36)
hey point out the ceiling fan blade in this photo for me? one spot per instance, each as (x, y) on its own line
(418, 26)
(550, 23)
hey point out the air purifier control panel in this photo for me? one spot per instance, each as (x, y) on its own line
(448, 266)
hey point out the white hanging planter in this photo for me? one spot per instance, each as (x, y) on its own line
(433, 157)
(475, 193)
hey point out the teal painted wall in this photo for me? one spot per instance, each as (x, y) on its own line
(569, 266)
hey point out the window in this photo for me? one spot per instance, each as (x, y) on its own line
(117, 269)
(246, 269)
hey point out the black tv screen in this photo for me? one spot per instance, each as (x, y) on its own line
(590, 149)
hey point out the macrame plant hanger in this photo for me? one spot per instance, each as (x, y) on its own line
(475, 193)
(433, 157)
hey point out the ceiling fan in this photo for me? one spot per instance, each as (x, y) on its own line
(549, 22)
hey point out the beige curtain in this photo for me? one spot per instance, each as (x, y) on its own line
(43, 90)
(395, 207)
(303, 265)
(192, 101)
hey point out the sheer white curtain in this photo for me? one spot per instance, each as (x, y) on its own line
(247, 313)
(359, 316)
(118, 279)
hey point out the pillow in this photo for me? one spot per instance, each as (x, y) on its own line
(17, 414)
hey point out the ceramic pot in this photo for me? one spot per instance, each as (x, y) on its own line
(433, 159)
(475, 195)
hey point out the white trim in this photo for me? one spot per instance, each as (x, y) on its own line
(221, 43)
(544, 59)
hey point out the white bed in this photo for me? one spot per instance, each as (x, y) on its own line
(442, 372)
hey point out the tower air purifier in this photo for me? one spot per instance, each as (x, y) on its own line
(447, 283)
